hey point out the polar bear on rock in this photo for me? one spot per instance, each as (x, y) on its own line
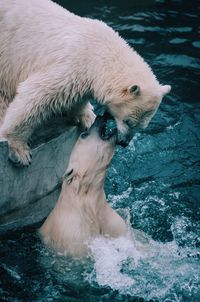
(50, 59)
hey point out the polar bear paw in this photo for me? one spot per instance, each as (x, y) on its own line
(19, 153)
(87, 117)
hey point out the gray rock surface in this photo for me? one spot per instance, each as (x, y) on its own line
(27, 195)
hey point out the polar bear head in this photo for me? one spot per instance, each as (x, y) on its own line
(133, 107)
(124, 82)
(91, 155)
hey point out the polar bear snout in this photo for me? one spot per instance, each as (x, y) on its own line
(105, 126)
(124, 139)
(134, 108)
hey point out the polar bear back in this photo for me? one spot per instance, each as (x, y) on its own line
(34, 32)
(41, 35)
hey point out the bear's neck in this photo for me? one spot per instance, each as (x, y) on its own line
(90, 196)
(87, 205)
(73, 222)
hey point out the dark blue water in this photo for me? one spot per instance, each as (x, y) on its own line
(154, 183)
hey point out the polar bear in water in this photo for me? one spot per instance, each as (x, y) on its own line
(82, 212)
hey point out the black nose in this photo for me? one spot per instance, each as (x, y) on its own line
(124, 140)
(106, 126)
(124, 144)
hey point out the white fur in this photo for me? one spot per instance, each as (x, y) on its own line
(50, 58)
(82, 213)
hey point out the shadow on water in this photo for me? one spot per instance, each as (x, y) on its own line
(154, 182)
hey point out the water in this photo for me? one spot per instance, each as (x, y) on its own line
(154, 183)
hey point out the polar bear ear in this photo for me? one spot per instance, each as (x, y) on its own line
(68, 175)
(165, 89)
(135, 89)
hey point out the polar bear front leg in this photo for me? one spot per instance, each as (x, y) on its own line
(36, 99)
(19, 153)
(86, 117)
(16, 129)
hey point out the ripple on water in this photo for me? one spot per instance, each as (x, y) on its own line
(196, 44)
(178, 41)
(142, 28)
(177, 60)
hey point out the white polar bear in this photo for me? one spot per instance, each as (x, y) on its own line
(82, 212)
(50, 59)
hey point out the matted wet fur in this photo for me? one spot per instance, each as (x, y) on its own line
(82, 212)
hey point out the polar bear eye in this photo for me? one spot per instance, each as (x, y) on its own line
(69, 173)
(84, 134)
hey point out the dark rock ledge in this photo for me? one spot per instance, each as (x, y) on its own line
(27, 195)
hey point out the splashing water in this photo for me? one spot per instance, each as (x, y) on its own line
(140, 266)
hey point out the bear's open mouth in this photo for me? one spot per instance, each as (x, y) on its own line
(106, 126)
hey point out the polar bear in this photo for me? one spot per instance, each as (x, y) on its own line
(51, 59)
(81, 212)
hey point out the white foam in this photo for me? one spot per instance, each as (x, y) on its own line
(114, 199)
(132, 143)
(171, 127)
(139, 266)
(108, 255)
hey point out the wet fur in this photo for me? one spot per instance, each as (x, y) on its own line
(82, 212)
(50, 58)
